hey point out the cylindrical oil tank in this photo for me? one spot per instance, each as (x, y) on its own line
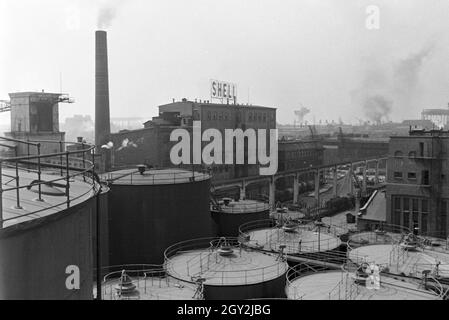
(145, 282)
(305, 282)
(150, 210)
(103, 207)
(46, 246)
(291, 237)
(224, 269)
(229, 215)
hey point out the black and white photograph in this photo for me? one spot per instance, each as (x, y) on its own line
(250, 153)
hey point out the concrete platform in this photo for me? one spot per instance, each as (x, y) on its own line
(337, 285)
(54, 199)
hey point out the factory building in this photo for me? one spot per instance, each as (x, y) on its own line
(299, 154)
(348, 148)
(417, 182)
(152, 143)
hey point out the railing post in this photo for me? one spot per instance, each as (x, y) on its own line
(61, 157)
(84, 161)
(67, 187)
(39, 171)
(17, 187)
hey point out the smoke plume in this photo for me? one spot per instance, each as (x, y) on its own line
(107, 12)
(385, 87)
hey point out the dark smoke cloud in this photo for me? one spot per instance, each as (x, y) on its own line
(107, 12)
(377, 108)
(381, 90)
(407, 71)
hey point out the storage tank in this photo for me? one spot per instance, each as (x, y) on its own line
(150, 210)
(145, 282)
(307, 283)
(225, 269)
(229, 215)
(293, 237)
(46, 227)
(397, 251)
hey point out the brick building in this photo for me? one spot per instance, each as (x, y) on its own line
(152, 145)
(298, 154)
(417, 181)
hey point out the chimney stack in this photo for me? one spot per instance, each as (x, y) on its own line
(102, 115)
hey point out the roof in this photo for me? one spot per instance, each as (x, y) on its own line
(375, 209)
(154, 177)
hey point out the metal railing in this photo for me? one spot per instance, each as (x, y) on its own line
(293, 243)
(157, 176)
(242, 207)
(146, 278)
(65, 166)
(208, 263)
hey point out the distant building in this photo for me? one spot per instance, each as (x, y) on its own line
(152, 145)
(417, 181)
(352, 147)
(299, 154)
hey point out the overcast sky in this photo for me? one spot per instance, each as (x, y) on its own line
(284, 54)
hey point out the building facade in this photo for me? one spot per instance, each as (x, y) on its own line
(152, 145)
(299, 154)
(417, 182)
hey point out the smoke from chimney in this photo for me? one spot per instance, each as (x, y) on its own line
(102, 113)
(107, 12)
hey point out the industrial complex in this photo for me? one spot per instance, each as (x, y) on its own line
(347, 216)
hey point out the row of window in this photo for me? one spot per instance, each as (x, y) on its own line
(252, 116)
(411, 154)
(398, 175)
(411, 213)
(300, 154)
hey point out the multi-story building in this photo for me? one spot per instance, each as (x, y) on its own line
(152, 143)
(417, 181)
(299, 154)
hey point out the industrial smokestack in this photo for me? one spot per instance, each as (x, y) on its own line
(102, 116)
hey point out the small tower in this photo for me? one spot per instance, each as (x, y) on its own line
(34, 117)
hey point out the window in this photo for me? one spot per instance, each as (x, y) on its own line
(215, 116)
(397, 210)
(421, 149)
(425, 177)
(443, 220)
(209, 115)
(250, 116)
(398, 154)
(406, 212)
(264, 117)
(411, 175)
(220, 116)
(398, 175)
